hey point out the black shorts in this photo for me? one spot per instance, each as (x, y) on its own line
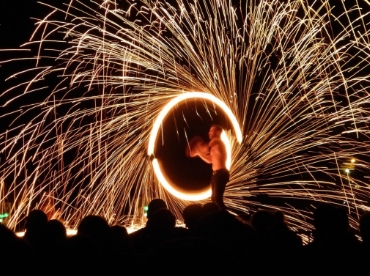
(218, 182)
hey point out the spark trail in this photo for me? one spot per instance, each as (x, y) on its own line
(293, 74)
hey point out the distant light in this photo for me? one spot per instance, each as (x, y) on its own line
(353, 160)
(347, 171)
(19, 234)
(1, 220)
(5, 215)
(71, 232)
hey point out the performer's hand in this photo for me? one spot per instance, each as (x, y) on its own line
(194, 146)
(203, 148)
(188, 152)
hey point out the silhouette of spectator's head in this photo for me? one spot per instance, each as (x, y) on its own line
(339, 249)
(191, 215)
(208, 208)
(365, 227)
(226, 230)
(154, 206)
(35, 227)
(279, 217)
(36, 219)
(219, 225)
(95, 227)
(341, 219)
(55, 232)
(263, 221)
(118, 234)
(162, 220)
(322, 218)
(280, 222)
(329, 219)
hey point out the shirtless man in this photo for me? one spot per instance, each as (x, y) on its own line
(215, 153)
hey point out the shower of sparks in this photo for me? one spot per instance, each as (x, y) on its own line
(293, 74)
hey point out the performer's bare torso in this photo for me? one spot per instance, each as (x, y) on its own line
(215, 152)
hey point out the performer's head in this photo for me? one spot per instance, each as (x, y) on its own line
(215, 131)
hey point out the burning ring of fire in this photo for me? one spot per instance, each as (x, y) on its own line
(153, 137)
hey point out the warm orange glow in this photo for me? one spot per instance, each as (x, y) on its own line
(153, 136)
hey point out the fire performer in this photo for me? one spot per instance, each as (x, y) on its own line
(213, 153)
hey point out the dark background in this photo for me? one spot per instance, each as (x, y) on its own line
(17, 24)
(18, 20)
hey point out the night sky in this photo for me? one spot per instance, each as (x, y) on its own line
(17, 23)
(16, 27)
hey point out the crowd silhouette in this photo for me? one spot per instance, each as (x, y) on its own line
(213, 242)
